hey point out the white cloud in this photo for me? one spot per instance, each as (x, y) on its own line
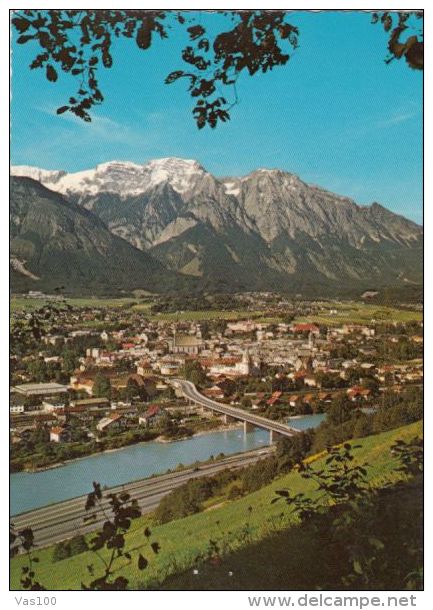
(396, 118)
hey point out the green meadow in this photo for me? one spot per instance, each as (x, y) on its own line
(343, 312)
(183, 540)
(20, 303)
(361, 313)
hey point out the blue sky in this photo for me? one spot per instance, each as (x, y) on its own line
(336, 115)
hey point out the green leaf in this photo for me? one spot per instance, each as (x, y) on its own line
(378, 544)
(357, 567)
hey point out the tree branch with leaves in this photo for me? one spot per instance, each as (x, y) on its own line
(80, 42)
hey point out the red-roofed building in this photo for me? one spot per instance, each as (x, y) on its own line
(215, 392)
(58, 434)
(301, 374)
(128, 345)
(305, 328)
(153, 416)
(274, 398)
(357, 392)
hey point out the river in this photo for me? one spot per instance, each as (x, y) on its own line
(29, 490)
(303, 422)
(34, 489)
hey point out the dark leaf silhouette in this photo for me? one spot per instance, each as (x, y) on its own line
(142, 562)
(400, 44)
(51, 74)
(80, 42)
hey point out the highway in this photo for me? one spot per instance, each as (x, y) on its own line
(62, 520)
(190, 391)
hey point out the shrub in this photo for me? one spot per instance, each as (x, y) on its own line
(61, 551)
(77, 545)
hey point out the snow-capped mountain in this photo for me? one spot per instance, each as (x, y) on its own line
(267, 230)
(46, 177)
(120, 177)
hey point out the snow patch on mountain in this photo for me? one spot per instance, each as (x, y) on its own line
(45, 176)
(122, 177)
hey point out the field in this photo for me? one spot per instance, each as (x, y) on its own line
(361, 313)
(336, 313)
(211, 314)
(181, 541)
(19, 303)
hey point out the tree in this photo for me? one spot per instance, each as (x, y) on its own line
(339, 411)
(292, 450)
(61, 551)
(78, 545)
(194, 372)
(37, 370)
(70, 361)
(101, 387)
(370, 383)
(363, 426)
(79, 42)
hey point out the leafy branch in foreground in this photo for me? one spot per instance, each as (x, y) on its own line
(410, 455)
(398, 25)
(23, 541)
(108, 544)
(345, 498)
(80, 42)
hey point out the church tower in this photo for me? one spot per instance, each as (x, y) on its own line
(245, 365)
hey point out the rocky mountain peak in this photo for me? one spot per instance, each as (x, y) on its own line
(268, 229)
(121, 177)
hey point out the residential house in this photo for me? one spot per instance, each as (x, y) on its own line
(152, 417)
(58, 434)
(112, 422)
(275, 397)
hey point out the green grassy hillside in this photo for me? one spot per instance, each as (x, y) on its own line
(236, 524)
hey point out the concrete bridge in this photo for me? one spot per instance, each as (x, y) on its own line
(276, 429)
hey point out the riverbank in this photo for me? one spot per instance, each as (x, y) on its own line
(31, 490)
(157, 439)
(221, 428)
(301, 422)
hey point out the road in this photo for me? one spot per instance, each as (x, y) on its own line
(62, 520)
(190, 391)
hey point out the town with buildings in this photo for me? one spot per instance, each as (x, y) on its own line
(89, 378)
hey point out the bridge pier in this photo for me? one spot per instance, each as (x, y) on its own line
(248, 427)
(208, 407)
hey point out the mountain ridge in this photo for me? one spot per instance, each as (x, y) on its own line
(56, 244)
(266, 230)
